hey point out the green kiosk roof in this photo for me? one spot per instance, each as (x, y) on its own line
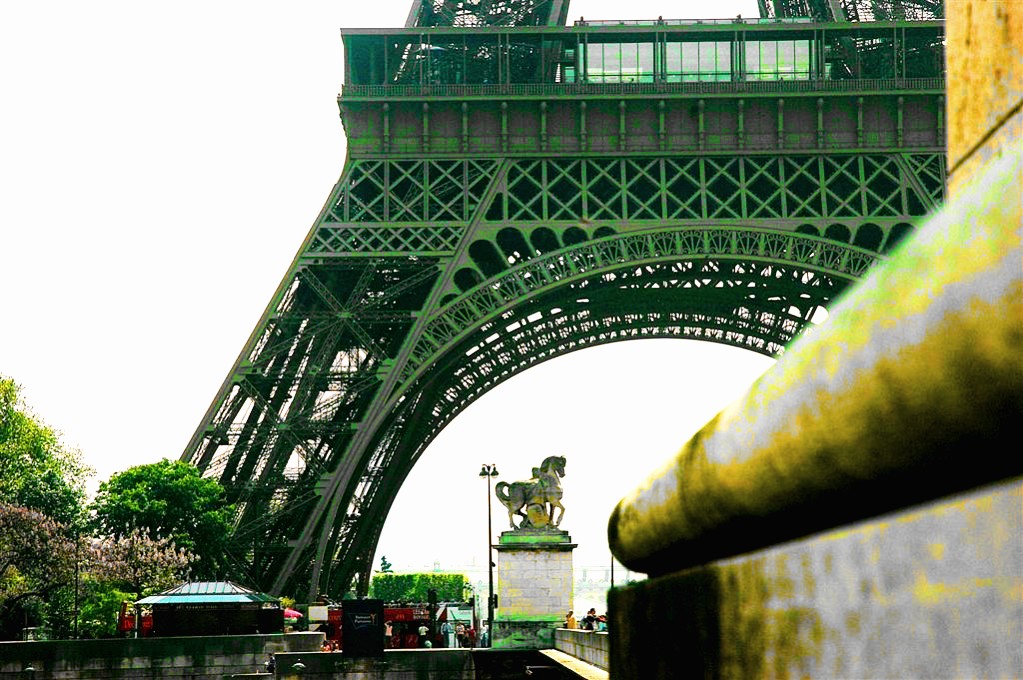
(208, 592)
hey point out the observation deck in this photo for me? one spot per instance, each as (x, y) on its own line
(643, 58)
(676, 86)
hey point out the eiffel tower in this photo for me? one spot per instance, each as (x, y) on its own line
(517, 188)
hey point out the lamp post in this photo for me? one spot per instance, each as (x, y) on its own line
(489, 471)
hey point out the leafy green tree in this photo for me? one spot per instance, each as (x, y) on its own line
(385, 566)
(415, 587)
(168, 500)
(36, 470)
(100, 605)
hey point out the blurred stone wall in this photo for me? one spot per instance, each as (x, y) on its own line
(985, 84)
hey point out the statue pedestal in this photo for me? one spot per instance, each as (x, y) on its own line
(534, 585)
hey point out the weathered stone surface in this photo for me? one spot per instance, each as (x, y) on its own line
(134, 659)
(932, 592)
(985, 73)
(535, 587)
(1001, 141)
(589, 646)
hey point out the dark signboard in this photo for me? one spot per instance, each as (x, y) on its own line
(362, 628)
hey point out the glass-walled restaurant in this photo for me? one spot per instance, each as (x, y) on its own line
(678, 62)
(624, 54)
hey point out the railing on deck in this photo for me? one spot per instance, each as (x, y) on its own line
(754, 87)
(692, 22)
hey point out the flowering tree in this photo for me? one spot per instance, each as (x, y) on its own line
(138, 564)
(38, 555)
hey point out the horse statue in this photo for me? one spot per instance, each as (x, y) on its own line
(535, 499)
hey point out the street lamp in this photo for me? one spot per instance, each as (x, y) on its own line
(489, 471)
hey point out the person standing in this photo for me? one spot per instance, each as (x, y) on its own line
(570, 621)
(448, 631)
(484, 635)
(590, 621)
(424, 632)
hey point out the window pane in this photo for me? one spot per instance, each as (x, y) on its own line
(786, 57)
(753, 60)
(803, 59)
(630, 62)
(690, 61)
(595, 63)
(646, 62)
(708, 55)
(724, 61)
(769, 60)
(673, 62)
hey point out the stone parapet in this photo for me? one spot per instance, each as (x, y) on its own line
(143, 658)
(421, 664)
(585, 645)
(930, 592)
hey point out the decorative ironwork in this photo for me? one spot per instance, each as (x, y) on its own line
(481, 227)
(854, 10)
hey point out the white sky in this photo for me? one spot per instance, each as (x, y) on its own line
(160, 164)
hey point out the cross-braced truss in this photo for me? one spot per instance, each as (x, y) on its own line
(854, 10)
(475, 13)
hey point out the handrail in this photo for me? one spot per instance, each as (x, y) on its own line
(693, 22)
(707, 87)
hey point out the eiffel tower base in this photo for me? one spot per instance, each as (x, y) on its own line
(535, 583)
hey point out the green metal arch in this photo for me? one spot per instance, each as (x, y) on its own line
(436, 389)
(500, 294)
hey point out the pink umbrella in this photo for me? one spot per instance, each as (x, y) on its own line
(290, 613)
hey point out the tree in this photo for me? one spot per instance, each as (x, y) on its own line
(168, 500)
(100, 606)
(37, 557)
(385, 566)
(138, 564)
(416, 587)
(36, 470)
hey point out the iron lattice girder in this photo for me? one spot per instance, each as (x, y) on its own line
(855, 10)
(811, 191)
(480, 13)
(298, 428)
(578, 265)
(309, 308)
(523, 337)
(477, 232)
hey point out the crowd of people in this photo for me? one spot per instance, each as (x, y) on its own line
(590, 622)
(461, 635)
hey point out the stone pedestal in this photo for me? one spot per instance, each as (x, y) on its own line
(534, 585)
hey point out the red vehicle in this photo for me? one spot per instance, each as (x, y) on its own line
(126, 621)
